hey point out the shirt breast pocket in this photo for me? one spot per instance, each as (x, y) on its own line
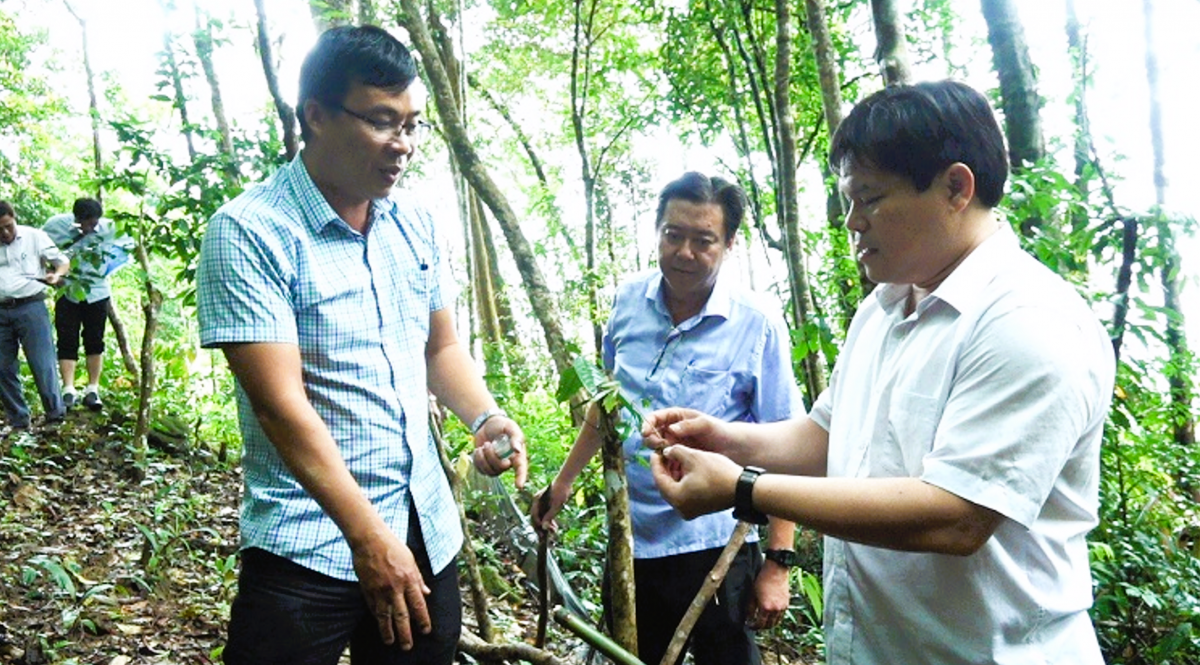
(413, 299)
(912, 423)
(705, 389)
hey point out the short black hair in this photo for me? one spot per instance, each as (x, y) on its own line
(87, 209)
(346, 55)
(699, 188)
(917, 131)
(6, 210)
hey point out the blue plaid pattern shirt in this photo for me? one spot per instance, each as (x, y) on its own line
(278, 265)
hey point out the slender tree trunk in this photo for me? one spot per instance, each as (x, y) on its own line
(93, 105)
(619, 553)
(535, 160)
(1182, 364)
(581, 50)
(755, 60)
(502, 343)
(1079, 59)
(118, 327)
(740, 133)
(540, 297)
(177, 88)
(287, 117)
(484, 289)
(788, 192)
(1129, 245)
(151, 304)
(479, 597)
(1018, 83)
(203, 38)
(891, 50)
(830, 77)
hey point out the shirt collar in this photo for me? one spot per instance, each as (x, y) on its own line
(962, 286)
(316, 211)
(720, 302)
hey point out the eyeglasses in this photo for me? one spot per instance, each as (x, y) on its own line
(414, 132)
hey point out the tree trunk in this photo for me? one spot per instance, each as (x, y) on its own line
(496, 323)
(1183, 366)
(118, 327)
(754, 60)
(540, 297)
(1129, 245)
(1018, 83)
(535, 160)
(203, 38)
(287, 117)
(93, 105)
(830, 76)
(580, 74)
(789, 208)
(151, 304)
(479, 597)
(484, 289)
(891, 50)
(740, 133)
(619, 554)
(177, 86)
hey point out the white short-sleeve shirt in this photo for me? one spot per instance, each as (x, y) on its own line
(995, 389)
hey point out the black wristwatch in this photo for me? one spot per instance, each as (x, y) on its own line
(743, 497)
(785, 558)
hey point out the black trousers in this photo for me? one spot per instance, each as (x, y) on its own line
(665, 589)
(290, 615)
(69, 316)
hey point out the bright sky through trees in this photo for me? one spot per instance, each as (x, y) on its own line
(126, 37)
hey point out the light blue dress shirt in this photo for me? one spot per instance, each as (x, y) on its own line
(94, 256)
(278, 265)
(732, 361)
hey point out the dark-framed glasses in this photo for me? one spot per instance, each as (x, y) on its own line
(415, 132)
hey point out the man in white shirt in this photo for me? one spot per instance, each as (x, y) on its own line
(25, 255)
(953, 463)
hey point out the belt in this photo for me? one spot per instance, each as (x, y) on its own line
(9, 303)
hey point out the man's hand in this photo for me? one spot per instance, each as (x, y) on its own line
(772, 595)
(695, 482)
(393, 588)
(554, 497)
(688, 427)
(488, 456)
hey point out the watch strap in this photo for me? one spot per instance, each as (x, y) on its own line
(482, 418)
(743, 497)
(785, 558)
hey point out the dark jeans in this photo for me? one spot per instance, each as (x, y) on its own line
(69, 317)
(290, 615)
(27, 326)
(665, 589)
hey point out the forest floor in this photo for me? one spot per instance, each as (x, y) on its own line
(105, 563)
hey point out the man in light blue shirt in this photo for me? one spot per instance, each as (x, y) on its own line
(91, 241)
(686, 334)
(325, 293)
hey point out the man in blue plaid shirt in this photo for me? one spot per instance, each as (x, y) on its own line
(325, 293)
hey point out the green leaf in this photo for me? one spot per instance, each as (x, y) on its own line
(568, 385)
